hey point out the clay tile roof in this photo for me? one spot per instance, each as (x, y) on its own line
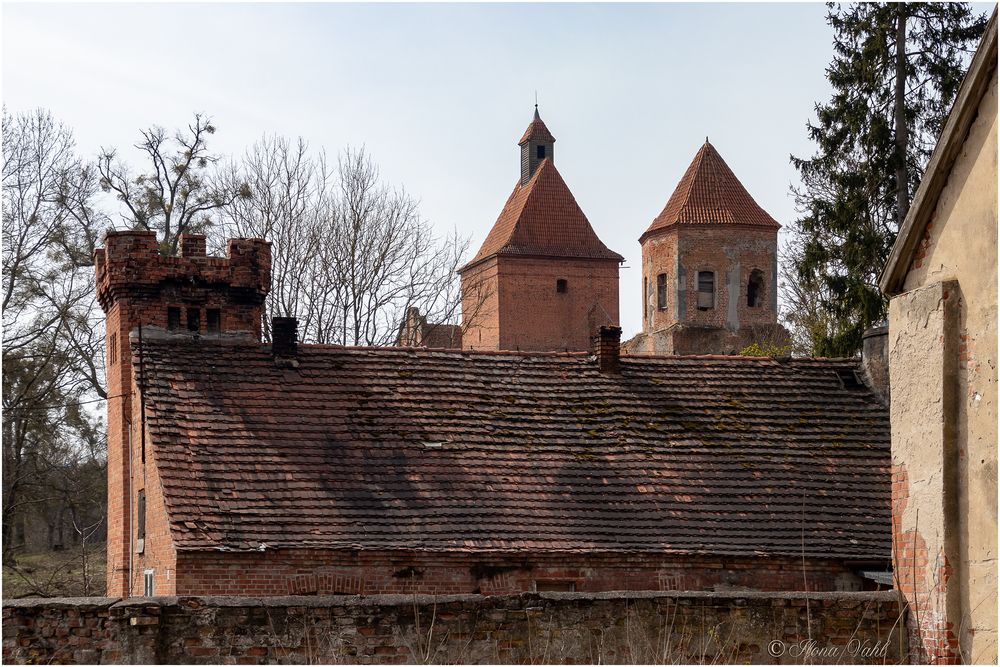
(415, 449)
(710, 193)
(536, 131)
(542, 218)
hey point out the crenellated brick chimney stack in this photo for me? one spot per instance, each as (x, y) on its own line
(189, 293)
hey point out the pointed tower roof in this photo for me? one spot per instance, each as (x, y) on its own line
(536, 130)
(541, 218)
(710, 193)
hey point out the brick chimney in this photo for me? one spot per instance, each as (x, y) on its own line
(607, 348)
(284, 337)
(875, 360)
(190, 292)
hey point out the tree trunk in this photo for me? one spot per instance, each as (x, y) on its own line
(902, 129)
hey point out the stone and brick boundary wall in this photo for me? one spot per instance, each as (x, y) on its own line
(695, 627)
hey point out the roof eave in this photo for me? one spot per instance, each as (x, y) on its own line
(948, 147)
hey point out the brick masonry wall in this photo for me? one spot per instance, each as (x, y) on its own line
(137, 285)
(528, 628)
(304, 571)
(732, 253)
(525, 311)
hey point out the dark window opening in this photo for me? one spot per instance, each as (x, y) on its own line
(849, 379)
(561, 285)
(194, 319)
(706, 290)
(555, 585)
(141, 515)
(214, 320)
(755, 289)
(173, 318)
(645, 298)
(113, 351)
(540, 152)
(147, 584)
(661, 291)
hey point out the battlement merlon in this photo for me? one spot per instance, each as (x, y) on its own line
(130, 264)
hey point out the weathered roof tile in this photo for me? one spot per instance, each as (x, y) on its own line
(398, 448)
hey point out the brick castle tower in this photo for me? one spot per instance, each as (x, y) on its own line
(709, 268)
(191, 293)
(542, 279)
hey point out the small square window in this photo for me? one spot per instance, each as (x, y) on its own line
(561, 285)
(540, 152)
(194, 319)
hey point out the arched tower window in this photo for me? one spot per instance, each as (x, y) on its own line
(755, 289)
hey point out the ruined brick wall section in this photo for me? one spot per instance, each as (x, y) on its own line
(732, 253)
(711, 628)
(136, 285)
(304, 571)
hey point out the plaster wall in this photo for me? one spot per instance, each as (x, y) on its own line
(959, 245)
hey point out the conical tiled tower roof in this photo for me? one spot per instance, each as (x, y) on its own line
(541, 218)
(710, 193)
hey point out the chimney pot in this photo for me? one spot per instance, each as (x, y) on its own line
(607, 348)
(284, 337)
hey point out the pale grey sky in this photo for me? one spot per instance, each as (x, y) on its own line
(439, 94)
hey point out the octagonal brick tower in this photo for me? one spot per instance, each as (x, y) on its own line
(709, 267)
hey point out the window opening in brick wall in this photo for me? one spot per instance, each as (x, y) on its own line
(561, 285)
(645, 298)
(555, 585)
(173, 318)
(140, 512)
(113, 352)
(706, 290)
(540, 152)
(214, 320)
(755, 288)
(661, 291)
(193, 319)
(148, 589)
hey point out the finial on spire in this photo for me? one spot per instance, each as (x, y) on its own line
(537, 117)
(706, 138)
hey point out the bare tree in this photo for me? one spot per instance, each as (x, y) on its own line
(51, 329)
(179, 194)
(350, 254)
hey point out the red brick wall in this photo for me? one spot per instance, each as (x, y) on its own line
(304, 571)
(529, 313)
(708, 248)
(135, 284)
(651, 628)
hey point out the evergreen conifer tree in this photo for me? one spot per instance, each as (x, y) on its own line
(895, 73)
